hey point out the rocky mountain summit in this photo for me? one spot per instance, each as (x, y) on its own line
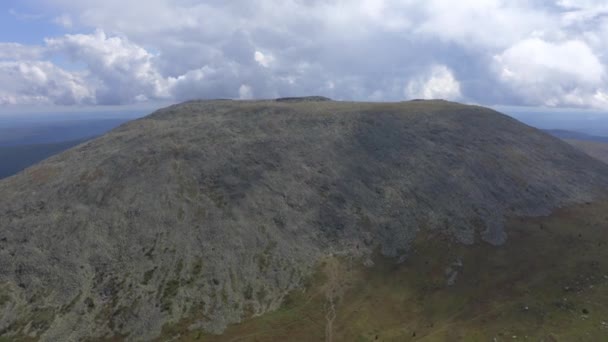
(218, 209)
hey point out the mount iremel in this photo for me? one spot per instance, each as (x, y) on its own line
(211, 212)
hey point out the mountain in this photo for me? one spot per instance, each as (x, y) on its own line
(17, 158)
(208, 213)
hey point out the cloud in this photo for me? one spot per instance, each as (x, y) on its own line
(117, 72)
(23, 16)
(438, 84)
(262, 59)
(124, 72)
(41, 83)
(245, 92)
(483, 51)
(64, 20)
(16, 51)
(484, 23)
(205, 83)
(553, 74)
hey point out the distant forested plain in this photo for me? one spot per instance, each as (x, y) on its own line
(585, 122)
(36, 133)
(16, 158)
(26, 142)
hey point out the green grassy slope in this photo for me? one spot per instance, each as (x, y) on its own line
(548, 283)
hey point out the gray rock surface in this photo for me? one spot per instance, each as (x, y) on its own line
(217, 209)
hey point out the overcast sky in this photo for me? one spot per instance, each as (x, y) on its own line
(124, 52)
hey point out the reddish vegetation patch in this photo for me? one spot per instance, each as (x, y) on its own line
(91, 176)
(42, 174)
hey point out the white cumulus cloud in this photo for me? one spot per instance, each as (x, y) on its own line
(553, 74)
(491, 52)
(16, 51)
(245, 92)
(64, 20)
(123, 70)
(438, 83)
(41, 82)
(263, 59)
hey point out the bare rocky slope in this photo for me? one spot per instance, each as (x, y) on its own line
(218, 209)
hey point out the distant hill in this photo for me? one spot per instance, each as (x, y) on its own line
(595, 149)
(399, 220)
(594, 145)
(589, 122)
(565, 134)
(16, 158)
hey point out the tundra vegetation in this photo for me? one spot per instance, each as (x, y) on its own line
(308, 219)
